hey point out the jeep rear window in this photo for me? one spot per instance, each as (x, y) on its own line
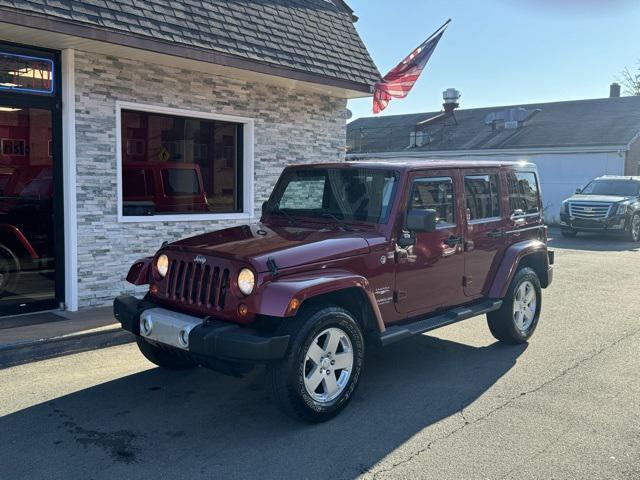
(623, 188)
(180, 181)
(353, 194)
(524, 192)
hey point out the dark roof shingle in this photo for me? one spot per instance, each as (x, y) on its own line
(579, 123)
(312, 36)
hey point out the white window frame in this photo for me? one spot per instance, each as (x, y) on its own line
(247, 165)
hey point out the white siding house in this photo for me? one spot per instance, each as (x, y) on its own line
(570, 142)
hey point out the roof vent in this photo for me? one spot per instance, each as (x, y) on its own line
(419, 139)
(451, 98)
(511, 118)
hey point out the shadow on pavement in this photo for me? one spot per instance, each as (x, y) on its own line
(158, 424)
(592, 241)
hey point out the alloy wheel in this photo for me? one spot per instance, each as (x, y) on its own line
(635, 228)
(328, 365)
(524, 306)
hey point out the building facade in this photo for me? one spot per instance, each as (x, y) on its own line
(134, 141)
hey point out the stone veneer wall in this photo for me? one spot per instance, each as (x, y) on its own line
(290, 127)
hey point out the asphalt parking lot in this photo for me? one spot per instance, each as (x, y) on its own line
(454, 404)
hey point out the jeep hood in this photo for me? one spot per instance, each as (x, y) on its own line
(598, 198)
(288, 246)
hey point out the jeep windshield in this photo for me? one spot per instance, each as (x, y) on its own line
(622, 188)
(341, 194)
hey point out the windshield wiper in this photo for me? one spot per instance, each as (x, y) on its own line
(341, 223)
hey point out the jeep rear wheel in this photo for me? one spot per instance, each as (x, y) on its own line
(322, 369)
(171, 359)
(518, 317)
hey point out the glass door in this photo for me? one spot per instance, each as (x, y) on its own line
(27, 226)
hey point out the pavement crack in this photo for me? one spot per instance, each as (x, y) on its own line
(505, 404)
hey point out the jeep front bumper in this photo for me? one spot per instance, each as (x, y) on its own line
(208, 338)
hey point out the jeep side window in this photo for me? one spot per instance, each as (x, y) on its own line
(180, 181)
(138, 182)
(304, 193)
(482, 196)
(436, 194)
(523, 192)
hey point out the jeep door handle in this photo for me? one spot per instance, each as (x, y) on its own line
(495, 234)
(452, 241)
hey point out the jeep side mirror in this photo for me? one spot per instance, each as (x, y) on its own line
(265, 208)
(422, 220)
(578, 190)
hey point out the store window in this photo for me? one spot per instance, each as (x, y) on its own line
(175, 164)
(26, 74)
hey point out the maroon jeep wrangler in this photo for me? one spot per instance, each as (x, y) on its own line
(346, 254)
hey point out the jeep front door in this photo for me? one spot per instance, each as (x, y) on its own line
(429, 272)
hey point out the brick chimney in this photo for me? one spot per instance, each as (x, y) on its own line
(614, 90)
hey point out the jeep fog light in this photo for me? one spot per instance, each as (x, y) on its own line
(146, 325)
(162, 265)
(246, 281)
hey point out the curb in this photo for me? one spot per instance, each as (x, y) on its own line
(42, 349)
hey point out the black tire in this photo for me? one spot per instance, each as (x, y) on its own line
(633, 235)
(569, 233)
(502, 322)
(165, 358)
(287, 377)
(9, 270)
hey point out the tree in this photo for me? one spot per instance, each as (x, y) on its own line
(630, 80)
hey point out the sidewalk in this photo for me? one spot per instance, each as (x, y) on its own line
(29, 338)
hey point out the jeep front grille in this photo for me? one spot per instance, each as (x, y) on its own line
(197, 284)
(589, 210)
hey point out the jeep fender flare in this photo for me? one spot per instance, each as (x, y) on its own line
(16, 237)
(275, 297)
(140, 271)
(528, 251)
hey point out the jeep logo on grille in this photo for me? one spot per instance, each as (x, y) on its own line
(200, 259)
(588, 209)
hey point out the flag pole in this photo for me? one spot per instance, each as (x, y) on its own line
(445, 25)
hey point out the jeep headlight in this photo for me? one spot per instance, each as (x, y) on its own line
(565, 206)
(246, 281)
(162, 265)
(622, 208)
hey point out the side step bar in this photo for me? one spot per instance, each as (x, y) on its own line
(396, 333)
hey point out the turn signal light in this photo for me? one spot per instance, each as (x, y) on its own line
(294, 304)
(242, 309)
(153, 289)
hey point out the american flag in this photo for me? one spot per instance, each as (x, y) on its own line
(399, 81)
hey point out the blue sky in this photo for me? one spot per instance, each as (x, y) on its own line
(501, 52)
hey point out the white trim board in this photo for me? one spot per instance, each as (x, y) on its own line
(247, 165)
(69, 180)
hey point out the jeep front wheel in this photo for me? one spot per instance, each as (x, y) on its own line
(518, 317)
(322, 369)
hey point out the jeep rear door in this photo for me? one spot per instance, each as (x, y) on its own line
(429, 273)
(485, 224)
